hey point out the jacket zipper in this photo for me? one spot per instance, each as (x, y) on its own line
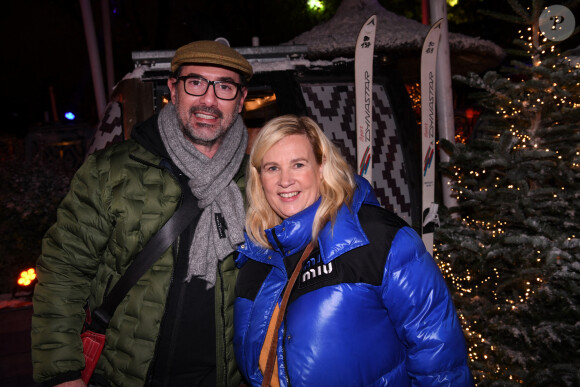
(286, 373)
(284, 320)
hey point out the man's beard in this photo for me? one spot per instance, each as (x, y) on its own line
(191, 132)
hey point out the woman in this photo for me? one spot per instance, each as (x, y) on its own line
(369, 306)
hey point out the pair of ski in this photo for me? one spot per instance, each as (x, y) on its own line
(364, 102)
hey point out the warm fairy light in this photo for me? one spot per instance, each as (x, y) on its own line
(27, 277)
(535, 107)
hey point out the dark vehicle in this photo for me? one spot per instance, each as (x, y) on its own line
(285, 81)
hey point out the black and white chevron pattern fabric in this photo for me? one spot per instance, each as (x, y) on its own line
(332, 106)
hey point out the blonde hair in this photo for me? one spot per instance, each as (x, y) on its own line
(336, 188)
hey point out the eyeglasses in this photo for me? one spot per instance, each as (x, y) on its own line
(197, 86)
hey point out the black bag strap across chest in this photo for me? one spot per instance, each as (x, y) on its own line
(161, 241)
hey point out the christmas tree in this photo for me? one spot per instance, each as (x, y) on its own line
(511, 248)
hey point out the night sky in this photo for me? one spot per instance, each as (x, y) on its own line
(43, 43)
(44, 46)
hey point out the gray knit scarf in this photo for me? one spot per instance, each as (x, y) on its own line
(220, 199)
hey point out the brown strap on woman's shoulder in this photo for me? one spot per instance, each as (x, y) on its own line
(272, 352)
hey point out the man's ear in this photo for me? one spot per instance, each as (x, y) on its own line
(244, 91)
(171, 84)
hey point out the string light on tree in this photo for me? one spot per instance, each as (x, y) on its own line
(513, 249)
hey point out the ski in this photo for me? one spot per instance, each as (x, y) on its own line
(363, 83)
(428, 126)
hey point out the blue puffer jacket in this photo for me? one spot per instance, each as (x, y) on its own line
(370, 307)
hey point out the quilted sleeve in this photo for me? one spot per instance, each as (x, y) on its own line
(420, 307)
(69, 260)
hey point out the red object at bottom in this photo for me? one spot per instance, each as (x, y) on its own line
(93, 344)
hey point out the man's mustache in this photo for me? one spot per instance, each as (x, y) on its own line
(206, 109)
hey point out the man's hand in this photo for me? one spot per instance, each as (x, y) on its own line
(72, 383)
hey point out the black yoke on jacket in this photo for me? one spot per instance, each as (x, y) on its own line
(363, 264)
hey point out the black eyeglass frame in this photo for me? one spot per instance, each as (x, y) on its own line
(184, 78)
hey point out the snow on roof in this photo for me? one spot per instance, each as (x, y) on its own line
(395, 33)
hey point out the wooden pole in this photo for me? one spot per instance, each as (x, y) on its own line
(108, 46)
(426, 13)
(53, 104)
(94, 58)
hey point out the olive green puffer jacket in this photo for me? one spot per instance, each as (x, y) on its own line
(118, 199)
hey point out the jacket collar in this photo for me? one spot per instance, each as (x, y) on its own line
(147, 134)
(294, 233)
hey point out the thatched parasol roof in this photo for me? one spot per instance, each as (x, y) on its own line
(396, 36)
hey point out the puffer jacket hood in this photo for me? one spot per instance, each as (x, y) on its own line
(148, 136)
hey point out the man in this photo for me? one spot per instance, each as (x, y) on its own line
(175, 325)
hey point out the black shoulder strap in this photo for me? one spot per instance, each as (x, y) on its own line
(185, 214)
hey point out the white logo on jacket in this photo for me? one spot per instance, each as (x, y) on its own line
(314, 268)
